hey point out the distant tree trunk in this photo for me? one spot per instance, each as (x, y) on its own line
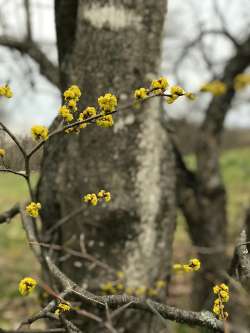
(113, 46)
(202, 195)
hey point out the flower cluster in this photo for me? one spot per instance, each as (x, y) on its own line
(94, 198)
(175, 92)
(33, 209)
(222, 292)
(89, 112)
(27, 285)
(216, 87)
(241, 81)
(193, 265)
(6, 91)
(62, 307)
(107, 103)
(40, 132)
(2, 152)
(160, 85)
(119, 286)
(71, 98)
(141, 93)
(73, 93)
(112, 288)
(105, 121)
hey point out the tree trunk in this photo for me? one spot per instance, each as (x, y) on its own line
(107, 46)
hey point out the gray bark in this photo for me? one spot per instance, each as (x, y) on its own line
(107, 46)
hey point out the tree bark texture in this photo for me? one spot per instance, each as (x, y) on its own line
(113, 46)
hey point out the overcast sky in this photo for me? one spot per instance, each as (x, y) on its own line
(36, 101)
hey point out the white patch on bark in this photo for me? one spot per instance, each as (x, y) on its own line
(116, 18)
(142, 257)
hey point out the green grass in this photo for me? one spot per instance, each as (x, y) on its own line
(235, 167)
(16, 257)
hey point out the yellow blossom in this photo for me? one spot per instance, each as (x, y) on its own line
(223, 286)
(224, 295)
(177, 267)
(94, 198)
(72, 92)
(152, 292)
(2, 152)
(33, 209)
(195, 264)
(105, 121)
(40, 132)
(91, 198)
(141, 93)
(89, 112)
(216, 309)
(107, 287)
(222, 292)
(177, 90)
(6, 91)
(120, 274)
(120, 286)
(27, 285)
(107, 103)
(64, 111)
(187, 268)
(171, 99)
(72, 103)
(129, 290)
(160, 85)
(241, 81)
(190, 96)
(107, 196)
(140, 291)
(216, 289)
(62, 307)
(215, 87)
(160, 284)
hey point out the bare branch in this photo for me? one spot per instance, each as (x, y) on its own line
(22, 174)
(198, 40)
(28, 20)
(75, 253)
(14, 138)
(47, 68)
(52, 330)
(69, 326)
(203, 319)
(9, 214)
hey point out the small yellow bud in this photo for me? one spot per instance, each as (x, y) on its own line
(141, 93)
(2, 152)
(62, 307)
(27, 285)
(33, 209)
(40, 132)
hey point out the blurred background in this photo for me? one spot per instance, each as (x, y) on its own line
(199, 38)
